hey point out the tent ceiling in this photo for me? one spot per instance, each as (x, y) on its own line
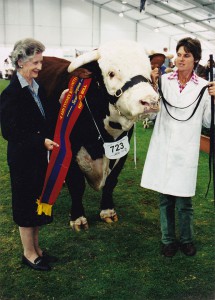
(170, 17)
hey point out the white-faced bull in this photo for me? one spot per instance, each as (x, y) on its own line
(120, 93)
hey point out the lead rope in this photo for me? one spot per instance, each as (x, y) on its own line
(100, 136)
(212, 138)
(135, 146)
(165, 102)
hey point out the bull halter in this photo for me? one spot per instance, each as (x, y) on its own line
(133, 81)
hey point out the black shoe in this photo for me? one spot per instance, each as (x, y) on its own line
(169, 250)
(188, 249)
(48, 258)
(39, 264)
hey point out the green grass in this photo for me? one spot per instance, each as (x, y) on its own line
(117, 261)
(3, 84)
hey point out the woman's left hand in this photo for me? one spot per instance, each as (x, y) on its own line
(211, 88)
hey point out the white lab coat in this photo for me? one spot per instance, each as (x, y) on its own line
(172, 159)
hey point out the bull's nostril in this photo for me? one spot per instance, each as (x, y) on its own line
(144, 103)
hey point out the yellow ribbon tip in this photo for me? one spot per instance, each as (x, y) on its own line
(44, 208)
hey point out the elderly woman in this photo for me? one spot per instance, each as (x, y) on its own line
(24, 124)
(172, 159)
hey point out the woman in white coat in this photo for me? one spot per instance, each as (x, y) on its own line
(172, 159)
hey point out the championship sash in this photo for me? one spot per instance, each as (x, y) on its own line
(61, 156)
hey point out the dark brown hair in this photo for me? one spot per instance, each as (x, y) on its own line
(191, 46)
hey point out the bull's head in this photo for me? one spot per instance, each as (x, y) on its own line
(126, 73)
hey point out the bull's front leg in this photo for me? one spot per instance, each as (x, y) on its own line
(76, 185)
(108, 213)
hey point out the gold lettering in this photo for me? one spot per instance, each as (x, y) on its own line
(75, 99)
(74, 80)
(77, 88)
(62, 112)
(77, 95)
(83, 89)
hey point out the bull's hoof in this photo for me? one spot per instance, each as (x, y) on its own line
(108, 215)
(115, 218)
(74, 226)
(79, 224)
(107, 220)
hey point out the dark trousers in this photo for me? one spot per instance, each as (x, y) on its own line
(183, 206)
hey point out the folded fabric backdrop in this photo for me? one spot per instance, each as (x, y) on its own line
(61, 156)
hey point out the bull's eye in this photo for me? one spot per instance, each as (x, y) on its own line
(111, 74)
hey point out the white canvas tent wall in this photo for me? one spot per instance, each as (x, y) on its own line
(66, 25)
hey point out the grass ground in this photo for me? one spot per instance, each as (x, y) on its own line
(117, 261)
(3, 84)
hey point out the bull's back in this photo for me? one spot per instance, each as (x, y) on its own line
(54, 75)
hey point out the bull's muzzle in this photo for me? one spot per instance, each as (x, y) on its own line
(151, 105)
(154, 105)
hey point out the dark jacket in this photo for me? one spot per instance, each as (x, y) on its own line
(25, 129)
(22, 123)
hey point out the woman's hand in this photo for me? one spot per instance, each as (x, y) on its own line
(49, 144)
(211, 88)
(63, 95)
(154, 75)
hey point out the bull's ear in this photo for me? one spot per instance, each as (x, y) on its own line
(83, 59)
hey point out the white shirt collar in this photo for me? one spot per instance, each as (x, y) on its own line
(24, 83)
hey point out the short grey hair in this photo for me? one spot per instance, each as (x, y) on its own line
(25, 50)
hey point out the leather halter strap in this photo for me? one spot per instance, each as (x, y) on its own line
(134, 80)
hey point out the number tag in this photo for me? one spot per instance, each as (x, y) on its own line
(117, 149)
